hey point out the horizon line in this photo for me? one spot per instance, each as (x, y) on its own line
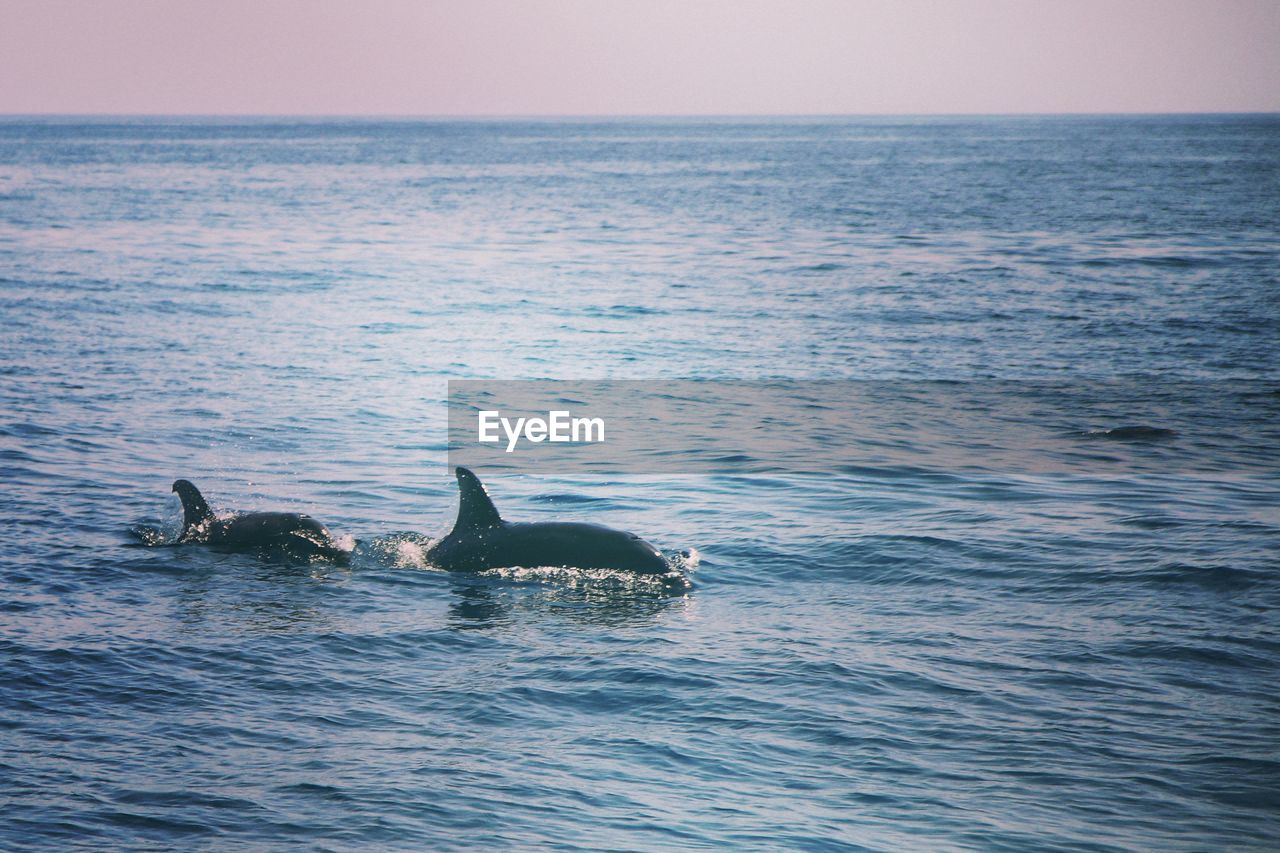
(525, 116)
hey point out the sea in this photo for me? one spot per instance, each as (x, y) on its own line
(1057, 629)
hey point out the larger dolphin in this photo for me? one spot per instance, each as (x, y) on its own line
(480, 539)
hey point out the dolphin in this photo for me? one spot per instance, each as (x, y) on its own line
(288, 530)
(480, 539)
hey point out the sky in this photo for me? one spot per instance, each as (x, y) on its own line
(637, 57)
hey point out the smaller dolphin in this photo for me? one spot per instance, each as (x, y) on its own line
(288, 530)
(480, 539)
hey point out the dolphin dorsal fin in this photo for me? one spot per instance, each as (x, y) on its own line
(475, 510)
(194, 509)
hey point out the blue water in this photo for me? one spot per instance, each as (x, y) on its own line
(1072, 645)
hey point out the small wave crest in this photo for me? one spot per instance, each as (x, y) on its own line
(1130, 433)
(602, 579)
(398, 551)
(151, 535)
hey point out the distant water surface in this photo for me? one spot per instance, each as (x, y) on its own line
(1075, 645)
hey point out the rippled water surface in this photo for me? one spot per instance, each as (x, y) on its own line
(1062, 631)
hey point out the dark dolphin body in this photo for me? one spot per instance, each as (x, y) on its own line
(480, 539)
(290, 531)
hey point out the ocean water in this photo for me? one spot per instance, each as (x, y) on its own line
(1062, 632)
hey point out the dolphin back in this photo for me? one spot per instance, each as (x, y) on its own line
(480, 540)
(291, 531)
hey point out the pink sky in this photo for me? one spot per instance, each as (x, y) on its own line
(610, 57)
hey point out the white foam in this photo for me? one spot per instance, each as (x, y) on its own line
(410, 555)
